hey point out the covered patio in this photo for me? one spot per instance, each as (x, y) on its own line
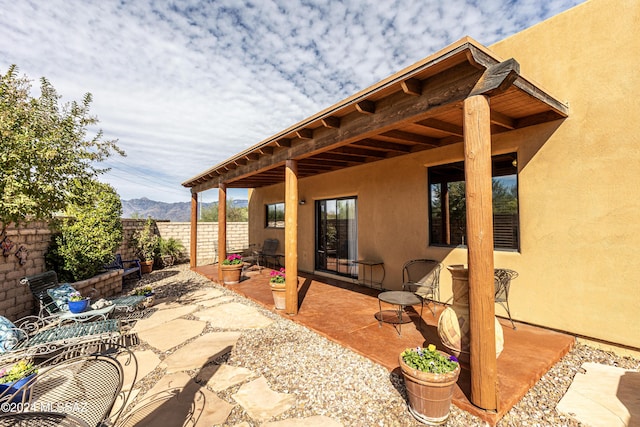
(464, 95)
(344, 312)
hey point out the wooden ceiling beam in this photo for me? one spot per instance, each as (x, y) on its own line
(502, 120)
(266, 150)
(400, 135)
(331, 155)
(445, 127)
(283, 142)
(305, 133)
(331, 122)
(362, 152)
(412, 87)
(366, 107)
(383, 145)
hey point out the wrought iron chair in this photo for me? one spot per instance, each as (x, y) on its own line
(264, 254)
(40, 285)
(502, 281)
(34, 336)
(422, 277)
(86, 386)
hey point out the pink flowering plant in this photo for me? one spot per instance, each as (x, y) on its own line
(429, 360)
(75, 296)
(233, 259)
(277, 276)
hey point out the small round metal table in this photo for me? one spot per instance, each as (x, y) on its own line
(401, 299)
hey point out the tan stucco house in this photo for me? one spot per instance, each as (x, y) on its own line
(552, 114)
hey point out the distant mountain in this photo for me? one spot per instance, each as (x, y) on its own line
(175, 212)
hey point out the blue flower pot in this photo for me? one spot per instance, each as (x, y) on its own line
(79, 306)
(14, 387)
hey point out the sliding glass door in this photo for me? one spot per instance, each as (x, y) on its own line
(337, 236)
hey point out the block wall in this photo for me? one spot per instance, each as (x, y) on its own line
(31, 241)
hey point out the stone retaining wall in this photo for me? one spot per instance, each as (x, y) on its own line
(107, 284)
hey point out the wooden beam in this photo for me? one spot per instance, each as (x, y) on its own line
(331, 122)
(478, 192)
(502, 120)
(222, 227)
(291, 237)
(366, 107)
(411, 137)
(266, 150)
(284, 142)
(445, 127)
(412, 87)
(193, 242)
(305, 133)
(497, 78)
(383, 145)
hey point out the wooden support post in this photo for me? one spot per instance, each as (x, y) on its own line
(477, 167)
(222, 227)
(291, 237)
(193, 242)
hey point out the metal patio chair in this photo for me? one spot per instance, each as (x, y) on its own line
(422, 277)
(502, 281)
(40, 285)
(89, 386)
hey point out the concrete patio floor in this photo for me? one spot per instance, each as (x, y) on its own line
(344, 313)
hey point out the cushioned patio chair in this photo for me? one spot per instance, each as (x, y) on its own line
(502, 282)
(422, 277)
(34, 336)
(52, 297)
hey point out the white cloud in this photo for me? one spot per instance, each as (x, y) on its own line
(184, 85)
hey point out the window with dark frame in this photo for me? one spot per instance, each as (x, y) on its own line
(447, 207)
(274, 215)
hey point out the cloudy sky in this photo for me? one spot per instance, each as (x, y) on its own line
(184, 85)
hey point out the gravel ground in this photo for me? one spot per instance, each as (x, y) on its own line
(355, 391)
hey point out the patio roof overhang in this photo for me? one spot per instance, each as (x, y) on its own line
(418, 108)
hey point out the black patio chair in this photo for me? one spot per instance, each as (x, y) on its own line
(502, 281)
(422, 277)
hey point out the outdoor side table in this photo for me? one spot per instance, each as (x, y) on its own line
(370, 263)
(400, 299)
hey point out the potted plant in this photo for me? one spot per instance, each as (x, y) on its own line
(15, 377)
(430, 377)
(277, 282)
(76, 303)
(149, 295)
(231, 269)
(170, 250)
(145, 242)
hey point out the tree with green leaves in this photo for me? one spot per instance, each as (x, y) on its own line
(234, 213)
(47, 159)
(89, 233)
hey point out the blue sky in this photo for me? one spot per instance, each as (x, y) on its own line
(184, 85)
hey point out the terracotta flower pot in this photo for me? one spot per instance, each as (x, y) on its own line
(231, 273)
(146, 266)
(429, 394)
(278, 293)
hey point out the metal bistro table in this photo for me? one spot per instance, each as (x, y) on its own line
(401, 299)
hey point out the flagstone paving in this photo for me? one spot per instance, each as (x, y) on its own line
(234, 316)
(260, 402)
(201, 351)
(221, 377)
(183, 385)
(172, 333)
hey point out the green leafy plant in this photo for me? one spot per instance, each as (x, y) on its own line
(88, 235)
(145, 290)
(277, 276)
(429, 360)
(47, 156)
(233, 259)
(145, 241)
(19, 370)
(170, 247)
